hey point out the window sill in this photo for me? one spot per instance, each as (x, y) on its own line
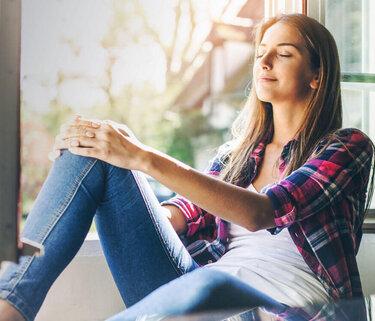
(369, 223)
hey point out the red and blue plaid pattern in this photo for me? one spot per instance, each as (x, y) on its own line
(322, 204)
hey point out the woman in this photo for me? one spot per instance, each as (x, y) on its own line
(288, 194)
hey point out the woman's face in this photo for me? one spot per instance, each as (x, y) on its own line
(282, 71)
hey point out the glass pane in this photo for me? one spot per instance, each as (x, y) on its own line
(359, 109)
(120, 60)
(351, 23)
(353, 28)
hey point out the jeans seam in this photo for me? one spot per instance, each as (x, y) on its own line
(67, 201)
(52, 223)
(160, 235)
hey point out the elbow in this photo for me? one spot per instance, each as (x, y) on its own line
(261, 222)
(253, 228)
(258, 215)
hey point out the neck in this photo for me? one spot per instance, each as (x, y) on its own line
(286, 121)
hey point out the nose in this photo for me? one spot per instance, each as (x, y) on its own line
(266, 61)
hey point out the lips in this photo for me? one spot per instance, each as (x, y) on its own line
(266, 79)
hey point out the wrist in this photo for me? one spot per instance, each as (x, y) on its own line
(147, 161)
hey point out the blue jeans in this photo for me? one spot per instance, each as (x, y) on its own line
(140, 245)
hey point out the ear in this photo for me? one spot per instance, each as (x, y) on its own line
(314, 84)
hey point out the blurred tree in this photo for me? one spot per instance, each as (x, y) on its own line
(142, 103)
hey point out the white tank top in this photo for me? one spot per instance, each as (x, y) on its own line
(272, 265)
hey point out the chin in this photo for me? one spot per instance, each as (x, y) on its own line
(265, 95)
(265, 98)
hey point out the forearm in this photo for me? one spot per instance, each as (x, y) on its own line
(251, 210)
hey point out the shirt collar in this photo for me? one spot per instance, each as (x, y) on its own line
(258, 154)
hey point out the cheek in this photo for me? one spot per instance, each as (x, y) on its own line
(299, 78)
(304, 80)
(256, 70)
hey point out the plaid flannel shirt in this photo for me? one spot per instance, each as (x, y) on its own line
(322, 204)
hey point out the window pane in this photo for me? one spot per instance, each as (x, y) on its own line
(354, 30)
(358, 107)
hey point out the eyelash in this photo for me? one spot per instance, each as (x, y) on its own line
(260, 56)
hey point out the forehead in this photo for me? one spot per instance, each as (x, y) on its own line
(282, 32)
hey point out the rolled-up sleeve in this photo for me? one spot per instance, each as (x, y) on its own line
(326, 178)
(196, 217)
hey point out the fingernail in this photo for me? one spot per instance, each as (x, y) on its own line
(74, 142)
(90, 134)
(95, 125)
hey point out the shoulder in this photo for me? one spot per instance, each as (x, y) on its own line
(352, 135)
(352, 140)
(346, 149)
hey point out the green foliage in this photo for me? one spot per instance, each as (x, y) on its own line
(182, 143)
(57, 115)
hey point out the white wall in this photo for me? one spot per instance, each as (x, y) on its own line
(85, 291)
(366, 262)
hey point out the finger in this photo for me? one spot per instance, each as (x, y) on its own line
(58, 137)
(73, 141)
(85, 122)
(123, 132)
(80, 124)
(120, 128)
(53, 155)
(70, 132)
(76, 116)
(85, 151)
(61, 144)
(90, 133)
(82, 142)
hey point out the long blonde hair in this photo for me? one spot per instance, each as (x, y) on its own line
(323, 114)
(322, 117)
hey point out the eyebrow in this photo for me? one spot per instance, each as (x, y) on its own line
(283, 44)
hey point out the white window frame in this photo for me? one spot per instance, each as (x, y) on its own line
(274, 7)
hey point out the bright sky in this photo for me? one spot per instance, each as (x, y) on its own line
(64, 36)
(47, 25)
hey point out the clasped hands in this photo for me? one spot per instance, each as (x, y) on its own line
(105, 140)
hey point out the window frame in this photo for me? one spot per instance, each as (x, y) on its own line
(10, 22)
(11, 247)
